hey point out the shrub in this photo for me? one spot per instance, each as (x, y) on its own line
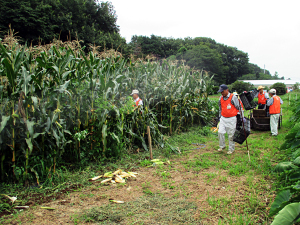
(296, 86)
(240, 86)
(279, 87)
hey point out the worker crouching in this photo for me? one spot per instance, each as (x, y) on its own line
(274, 104)
(228, 108)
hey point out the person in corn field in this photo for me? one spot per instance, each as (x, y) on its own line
(229, 107)
(137, 100)
(274, 104)
(262, 97)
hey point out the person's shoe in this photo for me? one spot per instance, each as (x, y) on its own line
(229, 152)
(220, 149)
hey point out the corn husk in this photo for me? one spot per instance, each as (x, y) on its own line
(116, 201)
(119, 179)
(132, 174)
(125, 175)
(155, 160)
(108, 174)
(22, 207)
(12, 199)
(104, 181)
(48, 208)
(95, 178)
(117, 172)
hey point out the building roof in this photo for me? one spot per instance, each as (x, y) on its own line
(270, 82)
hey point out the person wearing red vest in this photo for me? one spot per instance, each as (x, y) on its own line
(262, 97)
(228, 107)
(274, 104)
(137, 100)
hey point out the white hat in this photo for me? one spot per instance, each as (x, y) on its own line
(134, 92)
(272, 91)
(235, 93)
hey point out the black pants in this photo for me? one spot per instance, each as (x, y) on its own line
(261, 106)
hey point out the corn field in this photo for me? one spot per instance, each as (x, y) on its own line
(61, 106)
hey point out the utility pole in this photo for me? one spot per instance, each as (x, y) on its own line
(264, 68)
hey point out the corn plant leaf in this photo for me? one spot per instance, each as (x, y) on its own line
(281, 200)
(115, 137)
(36, 175)
(280, 167)
(30, 125)
(35, 135)
(296, 186)
(35, 101)
(288, 215)
(9, 72)
(65, 74)
(29, 144)
(26, 78)
(67, 132)
(4, 122)
(104, 135)
(294, 176)
(63, 88)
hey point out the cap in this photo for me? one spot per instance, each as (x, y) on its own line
(260, 87)
(223, 87)
(235, 93)
(272, 91)
(134, 92)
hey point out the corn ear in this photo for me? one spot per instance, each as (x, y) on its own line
(119, 179)
(22, 207)
(95, 178)
(155, 160)
(108, 174)
(48, 208)
(117, 172)
(12, 199)
(104, 181)
(116, 201)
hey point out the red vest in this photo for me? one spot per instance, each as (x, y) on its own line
(137, 102)
(275, 107)
(241, 104)
(228, 109)
(261, 98)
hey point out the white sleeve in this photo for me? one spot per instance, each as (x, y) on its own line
(266, 95)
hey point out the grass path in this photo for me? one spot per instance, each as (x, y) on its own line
(199, 186)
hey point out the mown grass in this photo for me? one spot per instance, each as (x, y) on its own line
(148, 209)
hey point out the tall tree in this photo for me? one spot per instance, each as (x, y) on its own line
(87, 20)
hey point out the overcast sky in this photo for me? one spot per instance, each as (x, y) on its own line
(269, 31)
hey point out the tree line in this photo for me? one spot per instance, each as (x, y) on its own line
(95, 24)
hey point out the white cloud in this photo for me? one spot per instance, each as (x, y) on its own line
(267, 30)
